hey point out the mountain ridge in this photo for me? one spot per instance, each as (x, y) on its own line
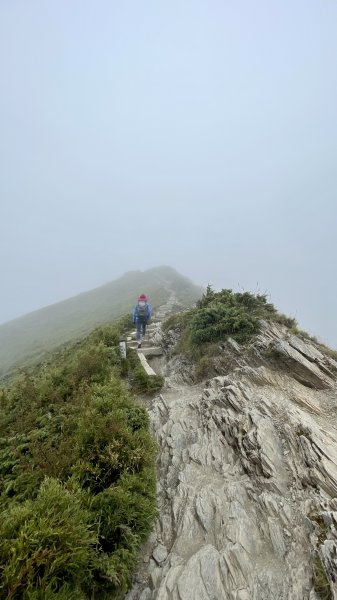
(27, 338)
(132, 272)
(246, 469)
(246, 455)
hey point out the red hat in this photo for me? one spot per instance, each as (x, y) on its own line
(142, 297)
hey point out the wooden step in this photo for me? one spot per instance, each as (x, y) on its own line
(152, 351)
(145, 344)
(145, 365)
(147, 350)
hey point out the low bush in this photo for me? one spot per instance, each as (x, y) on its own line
(218, 315)
(221, 314)
(77, 477)
(217, 320)
(140, 381)
(46, 542)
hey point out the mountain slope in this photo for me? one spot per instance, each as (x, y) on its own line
(25, 340)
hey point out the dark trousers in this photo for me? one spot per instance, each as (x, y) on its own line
(141, 329)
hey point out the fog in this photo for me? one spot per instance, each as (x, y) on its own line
(201, 135)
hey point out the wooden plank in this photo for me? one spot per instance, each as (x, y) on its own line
(145, 364)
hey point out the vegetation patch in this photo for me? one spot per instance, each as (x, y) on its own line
(219, 315)
(320, 580)
(77, 477)
(140, 382)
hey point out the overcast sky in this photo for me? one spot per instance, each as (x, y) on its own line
(198, 134)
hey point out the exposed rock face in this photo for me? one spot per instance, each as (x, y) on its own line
(247, 477)
(299, 358)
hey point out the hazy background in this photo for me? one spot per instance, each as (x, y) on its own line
(198, 134)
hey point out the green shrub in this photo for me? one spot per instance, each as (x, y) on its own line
(218, 315)
(126, 511)
(106, 447)
(143, 383)
(140, 381)
(179, 321)
(255, 304)
(216, 320)
(92, 364)
(109, 335)
(46, 542)
(71, 429)
(221, 314)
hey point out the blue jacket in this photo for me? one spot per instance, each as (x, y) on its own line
(135, 312)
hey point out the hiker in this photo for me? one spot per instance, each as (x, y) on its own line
(141, 315)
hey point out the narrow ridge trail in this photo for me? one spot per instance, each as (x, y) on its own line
(246, 475)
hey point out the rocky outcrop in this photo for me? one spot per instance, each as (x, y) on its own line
(299, 358)
(247, 478)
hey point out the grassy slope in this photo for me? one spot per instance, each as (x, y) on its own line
(26, 340)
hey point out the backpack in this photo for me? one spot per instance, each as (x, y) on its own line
(142, 310)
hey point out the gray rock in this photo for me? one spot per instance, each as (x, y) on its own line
(159, 554)
(247, 475)
(303, 369)
(146, 594)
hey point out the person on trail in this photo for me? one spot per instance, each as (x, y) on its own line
(141, 315)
